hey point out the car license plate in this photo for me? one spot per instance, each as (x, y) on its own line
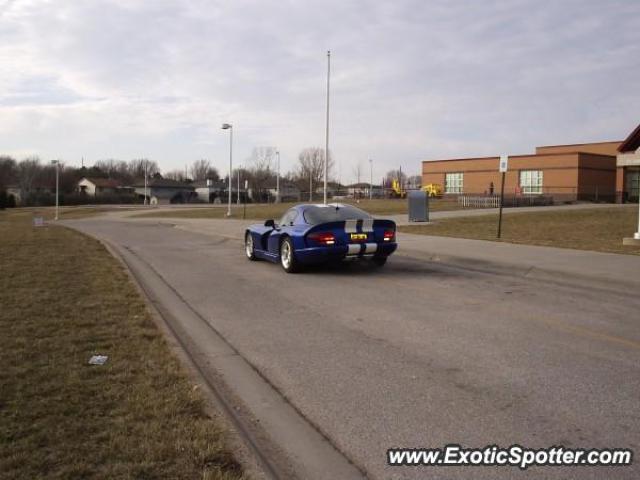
(359, 237)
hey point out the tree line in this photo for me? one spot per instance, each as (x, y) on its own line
(31, 175)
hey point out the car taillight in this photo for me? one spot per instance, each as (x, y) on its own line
(323, 238)
(389, 235)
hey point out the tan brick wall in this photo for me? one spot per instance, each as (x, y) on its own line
(566, 175)
(560, 172)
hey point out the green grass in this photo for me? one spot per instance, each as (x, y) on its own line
(64, 298)
(265, 211)
(600, 230)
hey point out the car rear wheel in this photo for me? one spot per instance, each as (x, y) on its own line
(248, 246)
(287, 256)
(379, 261)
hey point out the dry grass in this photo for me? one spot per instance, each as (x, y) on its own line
(601, 230)
(64, 298)
(48, 213)
(262, 211)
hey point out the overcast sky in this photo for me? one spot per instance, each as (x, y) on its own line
(411, 80)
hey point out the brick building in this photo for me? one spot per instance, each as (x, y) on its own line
(565, 172)
(628, 167)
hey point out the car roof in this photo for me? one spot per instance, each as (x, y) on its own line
(323, 205)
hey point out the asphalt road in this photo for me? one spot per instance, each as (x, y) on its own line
(417, 354)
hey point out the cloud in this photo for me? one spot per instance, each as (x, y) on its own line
(411, 80)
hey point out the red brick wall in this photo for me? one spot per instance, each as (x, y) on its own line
(602, 148)
(597, 175)
(560, 172)
(565, 175)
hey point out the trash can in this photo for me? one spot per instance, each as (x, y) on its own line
(418, 206)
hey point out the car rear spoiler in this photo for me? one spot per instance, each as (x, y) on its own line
(355, 226)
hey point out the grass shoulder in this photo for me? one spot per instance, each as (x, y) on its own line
(599, 230)
(265, 211)
(64, 298)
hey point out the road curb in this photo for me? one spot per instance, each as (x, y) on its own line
(283, 442)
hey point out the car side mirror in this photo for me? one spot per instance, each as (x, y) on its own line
(270, 223)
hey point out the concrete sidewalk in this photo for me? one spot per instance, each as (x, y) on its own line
(603, 270)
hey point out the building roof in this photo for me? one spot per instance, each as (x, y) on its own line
(103, 182)
(632, 142)
(212, 184)
(163, 183)
(359, 185)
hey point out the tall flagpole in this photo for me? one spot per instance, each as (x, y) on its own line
(326, 144)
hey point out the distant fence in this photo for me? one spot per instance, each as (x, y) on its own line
(493, 201)
(468, 201)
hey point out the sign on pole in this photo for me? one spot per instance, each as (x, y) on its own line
(504, 163)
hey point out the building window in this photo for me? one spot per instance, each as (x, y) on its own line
(453, 182)
(531, 181)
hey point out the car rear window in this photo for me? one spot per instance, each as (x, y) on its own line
(314, 215)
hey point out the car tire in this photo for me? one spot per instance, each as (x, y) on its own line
(379, 261)
(287, 256)
(249, 248)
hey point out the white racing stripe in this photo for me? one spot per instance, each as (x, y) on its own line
(350, 226)
(354, 249)
(370, 247)
(367, 225)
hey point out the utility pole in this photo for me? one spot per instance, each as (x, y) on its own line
(370, 179)
(57, 164)
(326, 143)
(238, 185)
(228, 126)
(278, 177)
(145, 182)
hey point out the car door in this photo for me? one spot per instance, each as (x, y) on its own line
(283, 226)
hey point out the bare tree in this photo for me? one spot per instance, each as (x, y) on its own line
(414, 181)
(177, 175)
(137, 168)
(28, 171)
(203, 170)
(311, 167)
(260, 171)
(357, 171)
(117, 169)
(8, 171)
(395, 175)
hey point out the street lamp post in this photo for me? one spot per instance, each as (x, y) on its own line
(228, 126)
(326, 137)
(278, 177)
(146, 191)
(57, 164)
(238, 199)
(370, 179)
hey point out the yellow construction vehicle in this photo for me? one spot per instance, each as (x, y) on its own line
(396, 190)
(433, 189)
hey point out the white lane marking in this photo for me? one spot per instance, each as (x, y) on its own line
(370, 248)
(354, 249)
(367, 225)
(350, 226)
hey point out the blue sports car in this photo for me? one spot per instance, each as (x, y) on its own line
(310, 234)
